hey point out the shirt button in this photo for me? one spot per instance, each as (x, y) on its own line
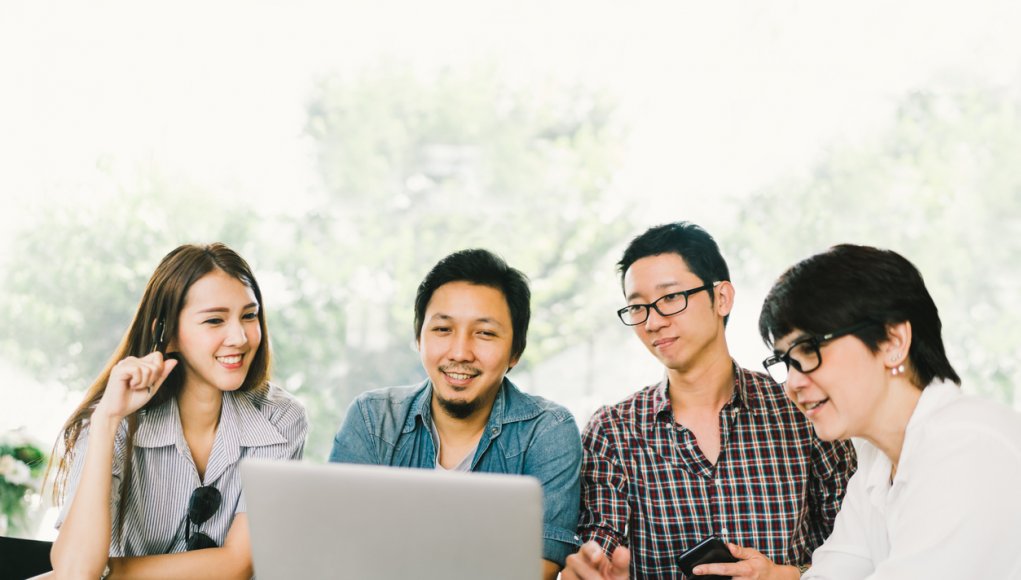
(723, 532)
(494, 431)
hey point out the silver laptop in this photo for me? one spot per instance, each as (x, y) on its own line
(367, 522)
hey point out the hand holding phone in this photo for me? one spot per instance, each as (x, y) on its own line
(711, 550)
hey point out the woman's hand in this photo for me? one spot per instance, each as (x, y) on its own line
(133, 382)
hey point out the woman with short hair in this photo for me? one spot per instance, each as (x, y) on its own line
(858, 347)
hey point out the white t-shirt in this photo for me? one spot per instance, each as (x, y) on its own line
(954, 509)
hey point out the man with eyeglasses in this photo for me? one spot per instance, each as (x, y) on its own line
(713, 450)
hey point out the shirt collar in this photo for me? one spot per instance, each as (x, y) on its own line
(744, 395)
(241, 424)
(159, 426)
(934, 397)
(510, 406)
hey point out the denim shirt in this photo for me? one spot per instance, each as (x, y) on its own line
(525, 435)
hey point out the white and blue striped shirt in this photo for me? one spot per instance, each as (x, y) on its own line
(163, 474)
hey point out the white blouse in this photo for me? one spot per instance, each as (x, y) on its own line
(272, 425)
(954, 509)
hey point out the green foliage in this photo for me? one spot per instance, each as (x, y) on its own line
(416, 168)
(78, 271)
(21, 467)
(413, 168)
(940, 186)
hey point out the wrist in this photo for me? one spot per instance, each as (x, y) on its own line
(101, 420)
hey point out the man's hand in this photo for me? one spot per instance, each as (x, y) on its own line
(590, 563)
(751, 565)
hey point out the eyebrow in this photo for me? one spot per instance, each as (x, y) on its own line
(800, 338)
(660, 286)
(484, 319)
(225, 309)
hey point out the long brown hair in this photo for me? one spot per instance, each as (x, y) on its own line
(162, 301)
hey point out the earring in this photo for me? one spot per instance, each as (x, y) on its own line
(897, 370)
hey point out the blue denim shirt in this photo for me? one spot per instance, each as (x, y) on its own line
(525, 435)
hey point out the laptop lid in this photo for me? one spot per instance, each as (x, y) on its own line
(366, 522)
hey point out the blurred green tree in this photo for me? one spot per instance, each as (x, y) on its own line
(413, 167)
(77, 271)
(940, 186)
(417, 166)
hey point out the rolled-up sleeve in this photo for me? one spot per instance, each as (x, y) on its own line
(604, 484)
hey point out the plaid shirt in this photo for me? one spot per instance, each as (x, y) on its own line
(646, 484)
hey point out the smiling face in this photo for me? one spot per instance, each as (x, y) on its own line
(218, 332)
(845, 396)
(683, 340)
(465, 346)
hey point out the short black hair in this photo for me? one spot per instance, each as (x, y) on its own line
(690, 241)
(483, 268)
(849, 284)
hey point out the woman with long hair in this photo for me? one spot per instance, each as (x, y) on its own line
(857, 345)
(148, 471)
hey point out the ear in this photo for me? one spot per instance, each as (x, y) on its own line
(724, 298)
(897, 344)
(513, 363)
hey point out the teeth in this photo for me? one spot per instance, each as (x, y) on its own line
(230, 360)
(459, 376)
(811, 406)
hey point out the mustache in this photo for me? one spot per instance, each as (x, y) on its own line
(460, 369)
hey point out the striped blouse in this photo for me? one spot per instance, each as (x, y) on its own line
(163, 474)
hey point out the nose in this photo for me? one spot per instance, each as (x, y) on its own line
(796, 380)
(655, 321)
(236, 335)
(460, 347)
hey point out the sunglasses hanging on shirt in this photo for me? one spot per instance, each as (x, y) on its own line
(203, 504)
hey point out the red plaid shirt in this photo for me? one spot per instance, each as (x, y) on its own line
(646, 484)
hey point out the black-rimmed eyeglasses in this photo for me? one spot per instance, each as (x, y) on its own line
(804, 355)
(203, 504)
(666, 305)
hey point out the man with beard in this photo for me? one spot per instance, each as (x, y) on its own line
(471, 322)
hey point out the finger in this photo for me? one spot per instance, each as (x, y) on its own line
(154, 356)
(122, 371)
(738, 569)
(135, 374)
(741, 553)
(167, 369)
(621, 560)
(145, 383)
(578, 566)
(593, 552)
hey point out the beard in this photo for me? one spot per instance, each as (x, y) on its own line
(458, 409)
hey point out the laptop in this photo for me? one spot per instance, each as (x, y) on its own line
(367, 522)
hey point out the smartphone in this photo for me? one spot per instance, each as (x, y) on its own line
(711, 550)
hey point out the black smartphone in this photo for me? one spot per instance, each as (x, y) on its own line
(711, 550)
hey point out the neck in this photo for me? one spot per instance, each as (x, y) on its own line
(199, 407)
(889, 424)
(706, 385)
